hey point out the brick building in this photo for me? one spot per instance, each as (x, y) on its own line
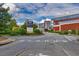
(66, 24)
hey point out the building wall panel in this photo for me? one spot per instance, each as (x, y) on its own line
(74, 26)
(68, 22)
(56, 28)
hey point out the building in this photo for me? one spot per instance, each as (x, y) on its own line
(47, 24)
(41, 25)
(66, 24)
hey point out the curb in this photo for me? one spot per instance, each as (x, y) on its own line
(9, 40)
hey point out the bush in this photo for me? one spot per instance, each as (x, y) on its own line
(78, 32)
(59, 32)
(63, 32)
(13, 33)
(51, 31)
(6, 31)
(37, 31)
(73, 32)
(19, 31)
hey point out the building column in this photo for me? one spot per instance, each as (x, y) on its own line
(59, 27)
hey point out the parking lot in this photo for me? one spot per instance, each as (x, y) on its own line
(50, 44)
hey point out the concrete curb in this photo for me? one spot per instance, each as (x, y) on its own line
(6, 41)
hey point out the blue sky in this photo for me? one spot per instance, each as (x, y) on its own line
(39, 11)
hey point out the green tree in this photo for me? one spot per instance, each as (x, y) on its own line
(13, 24)
(35, 26)
(24, 26)
(5, 19)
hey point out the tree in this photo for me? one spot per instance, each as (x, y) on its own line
(5, 19)
(35, 26)
(13, 24)
(24, 26)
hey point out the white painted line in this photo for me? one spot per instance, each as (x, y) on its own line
(66, 52)
(41, 54)
(29, 40)
(37, 41)
(47, 41)
(30, 54)
(67, 38)
(60, 41)
(21, 40)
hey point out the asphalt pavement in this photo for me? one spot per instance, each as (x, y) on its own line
(50, 44)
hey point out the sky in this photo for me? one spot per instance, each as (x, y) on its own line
(40, 11)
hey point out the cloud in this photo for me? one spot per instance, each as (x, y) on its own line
(58, 10)
(11, 6)
(20, 23)
(39, 11)
(42, 21)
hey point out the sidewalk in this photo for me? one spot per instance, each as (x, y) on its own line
(4, 40)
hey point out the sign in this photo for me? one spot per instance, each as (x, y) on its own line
(30, 24)
(29, 29)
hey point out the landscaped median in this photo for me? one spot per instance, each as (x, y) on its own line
(4, 40)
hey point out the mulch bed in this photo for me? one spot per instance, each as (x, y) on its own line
(3, 38)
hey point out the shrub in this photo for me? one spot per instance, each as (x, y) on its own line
(73, 32)
(37, 31)
(6, 31)
(13, 33)
(19, 31)
(78, 32)
(63, 32)
(51, 31)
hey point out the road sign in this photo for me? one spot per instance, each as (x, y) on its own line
(30, 24)
(29, 29)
